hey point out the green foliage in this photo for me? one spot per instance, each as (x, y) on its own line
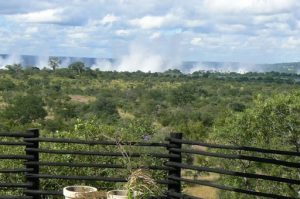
(105, 108)
(271, 123)
(14, 69)
(236, 106)
(78, 67)
(25, 109)
(171, 100)
(186, 93)
(141, 106)
(6, 85)
(54, 62)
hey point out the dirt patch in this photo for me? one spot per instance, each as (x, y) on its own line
(3, 105)
(204, 191)
(125, 115)
(82, 99)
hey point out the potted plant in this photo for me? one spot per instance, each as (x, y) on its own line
(140, 183)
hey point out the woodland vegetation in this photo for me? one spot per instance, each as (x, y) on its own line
(253, 109)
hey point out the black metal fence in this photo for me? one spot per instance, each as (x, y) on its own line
(173, 166)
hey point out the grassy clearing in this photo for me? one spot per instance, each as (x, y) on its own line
(82, 99)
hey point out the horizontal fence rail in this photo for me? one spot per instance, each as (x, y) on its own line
(108, 143)
(231, 156)
(222, 187)
(16, 140)
(96, 153)
(239, 157)
(15, 197)
(15, 170)
(37, 171)
(16, 157)
(231, 147)
(17, 135)
(107, 166)
(33, 164)
(233, 173)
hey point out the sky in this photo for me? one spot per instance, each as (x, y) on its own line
(248, 31)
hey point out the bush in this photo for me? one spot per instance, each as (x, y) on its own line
(6, 85)
(25, 109)
(272, 123)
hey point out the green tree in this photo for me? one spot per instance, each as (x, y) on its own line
(14, 69)
(54, 62)
(78, 66)
(25, 109)
(271, 123)
(105, 108)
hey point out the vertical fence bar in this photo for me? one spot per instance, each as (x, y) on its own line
(35, 168)
(176, 172)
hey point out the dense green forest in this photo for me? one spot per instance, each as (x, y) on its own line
(52, 100)
(216, 107)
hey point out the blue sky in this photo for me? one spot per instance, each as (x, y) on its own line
(251, 31)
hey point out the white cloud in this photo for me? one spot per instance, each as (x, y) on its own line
(249, 6)
(109, 19)
(231, 28)
(155, 35)
(78, 35)
(45, 16)
(31, 30)
(213, 29)
(151, 22)
(292, 43)
(122, 32)
(194, 23)
(262, 19)
(197, 41)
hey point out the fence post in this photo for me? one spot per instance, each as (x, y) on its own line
(34, 133)
(175, 172)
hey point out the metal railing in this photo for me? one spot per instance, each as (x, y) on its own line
(175, 147)
(234, 156)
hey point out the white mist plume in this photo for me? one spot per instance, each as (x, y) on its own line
(103, 65)
(11, 59)
(227, 67)
(140, 58)
(65, 62)
(42, 62)
(200, 67)
(144, 59)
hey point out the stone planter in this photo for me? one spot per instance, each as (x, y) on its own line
(79, 192)
(117, 194)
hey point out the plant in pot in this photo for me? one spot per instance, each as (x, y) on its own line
(140, 183)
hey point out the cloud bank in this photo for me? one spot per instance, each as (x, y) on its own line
(252, 31)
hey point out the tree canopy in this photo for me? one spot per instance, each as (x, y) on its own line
(272, 123)
(25, 109)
